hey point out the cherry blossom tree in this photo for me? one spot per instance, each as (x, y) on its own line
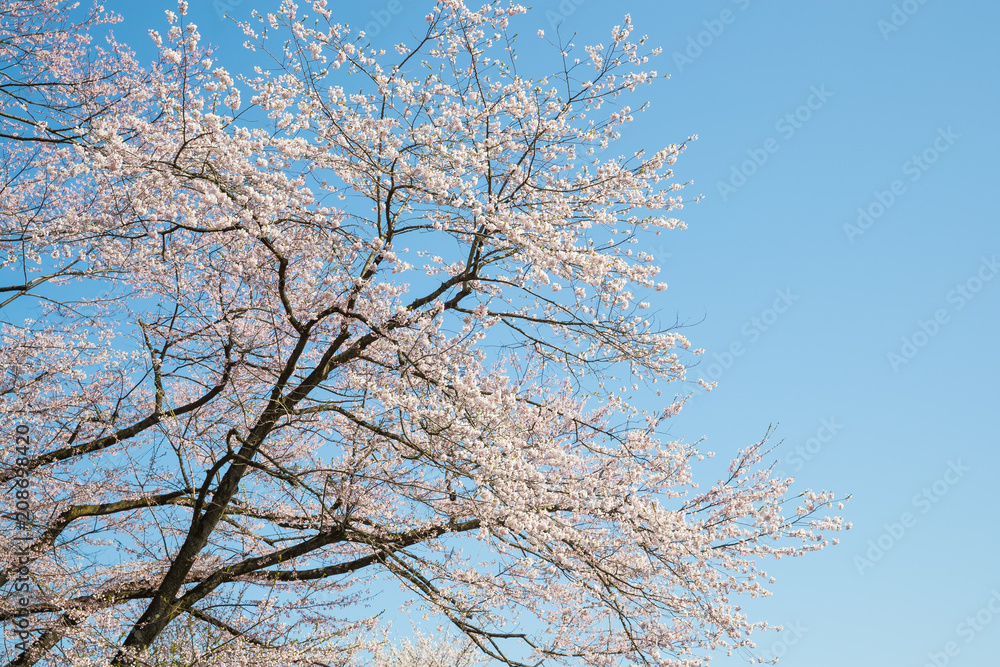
(56, 87)
(276, 340)
(426, 650)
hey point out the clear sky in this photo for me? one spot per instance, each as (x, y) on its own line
(845, 257)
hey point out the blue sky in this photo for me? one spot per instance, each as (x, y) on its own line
(846, 250)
